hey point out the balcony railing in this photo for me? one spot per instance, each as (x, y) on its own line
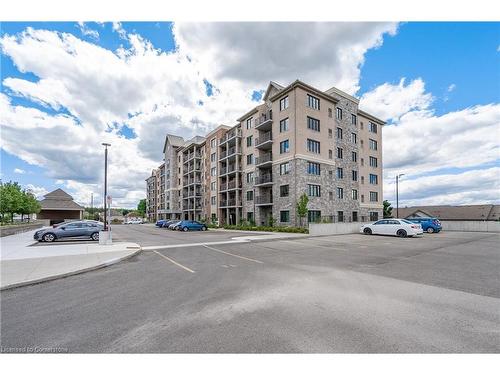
(264, 158)
(263, 138)
(232, 134)
(264, 179)
(264, 119)
(264, 199)
(229, 169)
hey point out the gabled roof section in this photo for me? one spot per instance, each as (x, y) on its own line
(58, 194)
(305, 86)
(272, 89)
(174, 140)
(470, 212)
(339, 92)
(371, 117)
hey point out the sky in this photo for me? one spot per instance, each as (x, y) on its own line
(67, 87)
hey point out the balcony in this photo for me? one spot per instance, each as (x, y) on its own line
(264, 180)
(230, 203)
(229, 152)
(265, 141)
(264, 122)
(264, 200)
(230, 169)
(233, 134)
(264, 160)
(231, 185)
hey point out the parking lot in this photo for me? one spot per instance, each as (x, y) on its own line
(348, 293)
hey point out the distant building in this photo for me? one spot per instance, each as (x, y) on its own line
(58, 206)
(479, 212)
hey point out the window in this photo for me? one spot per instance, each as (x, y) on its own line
(313, 124)
(250, 159)
(312, 102)
(249, 123)
(213, 201)
(354, 156)
(373, 196)
(354, 138)
(330, 113)
(313, 216)
(284, 147)
(212, 157)
(330, 154)
(373, 144)
(284, 190)
(340, 153)
(362, 161)
(373, 216)
(340, 193)
(339, 113)
(330, 133)
(339, 133)
(354, 216)
(373, 179)
(340, 216)
(250, 217)
(354, 119)
(284, 103)
(330, 173)
(284, 168)
(249, 177)
(250, 195)
(372, 128)
(330, 195)
(340, 173)
(249, 140)
(313, 168)
(213, 171)
(355, 175)
(362, 198)
(313, 146)
(313, 190)
(213, 186)
(213, 143)
(284, 125)
(354, 194)
(284, 216)
(373, 162)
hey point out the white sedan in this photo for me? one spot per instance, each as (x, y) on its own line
(393, 227)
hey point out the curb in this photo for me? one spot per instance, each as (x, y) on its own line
(67, 274)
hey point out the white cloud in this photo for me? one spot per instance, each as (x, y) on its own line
(37, 191)
(390, 102)
(19, 171)
(118, 28)
(85, 30)
(451, 87)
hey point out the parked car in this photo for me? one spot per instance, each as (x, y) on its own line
(393, 227)
(429, 224)
(74, 229)
(174, 224)
(160, 223)
(167, 223)
(135, 221)
(186, 225)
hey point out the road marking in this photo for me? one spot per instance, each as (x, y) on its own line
(174, 262)
(234, 255)
(158, 247)
(320, 246)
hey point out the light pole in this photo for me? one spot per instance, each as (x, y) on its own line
(105, 181)
(397, 194)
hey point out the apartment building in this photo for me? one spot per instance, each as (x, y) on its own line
(299, 140)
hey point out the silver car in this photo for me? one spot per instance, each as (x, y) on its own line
(74, 229)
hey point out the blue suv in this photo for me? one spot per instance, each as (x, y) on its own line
(186, 225)
(429, 224)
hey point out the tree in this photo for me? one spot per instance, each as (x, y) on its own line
(387, 209)
(125, 212)
(11, 199)
(141, 207)
(302, 207)
(29, 204)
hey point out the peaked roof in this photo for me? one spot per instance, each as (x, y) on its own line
(272, 85)
(174, 140)
(59, 200)
(469, 212)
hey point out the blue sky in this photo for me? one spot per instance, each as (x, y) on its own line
(457, 63)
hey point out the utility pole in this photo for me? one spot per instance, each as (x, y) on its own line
(91, 206)
(105, 182)
(397, 194)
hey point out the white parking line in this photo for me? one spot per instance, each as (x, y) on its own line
(174, 262)
(234, 255)
(320, 246)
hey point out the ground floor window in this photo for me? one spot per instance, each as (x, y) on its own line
(284, 216)
(250, 217)
(340, 216)
(313, 216)
(354, 216)
(373, 216)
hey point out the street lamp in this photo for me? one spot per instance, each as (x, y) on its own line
(397, 193)
(106, 145)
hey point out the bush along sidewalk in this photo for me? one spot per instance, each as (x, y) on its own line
(264, 228)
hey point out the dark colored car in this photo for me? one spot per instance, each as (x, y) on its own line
(74, 229)
(429, 224)
(160, 223)
(186, 225)
(167, 223)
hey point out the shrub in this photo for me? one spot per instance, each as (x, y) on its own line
(267, 228)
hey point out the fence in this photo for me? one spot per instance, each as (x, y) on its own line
(471, 226)
(334, 228)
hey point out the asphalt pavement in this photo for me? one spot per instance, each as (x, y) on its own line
(337, 294)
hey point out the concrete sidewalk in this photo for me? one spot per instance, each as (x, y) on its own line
(22, 264)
